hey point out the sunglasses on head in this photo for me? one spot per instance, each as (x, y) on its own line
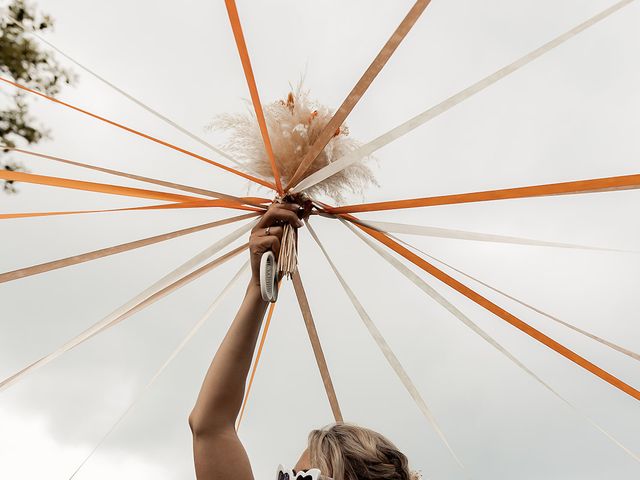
(288, 474)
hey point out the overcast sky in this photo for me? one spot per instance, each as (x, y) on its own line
(573, 114)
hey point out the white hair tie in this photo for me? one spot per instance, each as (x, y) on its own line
(311, 474)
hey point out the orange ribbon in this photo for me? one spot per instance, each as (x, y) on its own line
(185, 201)
(256, 362)
(143, 135)
(94, 187)
(500, 312)
(163, 183)
(626, 182)
(234, 18)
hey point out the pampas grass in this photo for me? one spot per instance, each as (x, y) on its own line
(294, 124)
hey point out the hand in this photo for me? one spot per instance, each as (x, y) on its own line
(272, 223)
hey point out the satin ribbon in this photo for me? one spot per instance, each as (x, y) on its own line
(163, 183)
(316, 345)
(387, 352)
(420, 283)
(192, 332)
(420, 119)
(9, 216)
(607, 343)
(170, 206)
(113, 250)
(234, 19)
(166, 285)
(141, 134)
(256, 362)
(391, 227)
(606, 184)
(502, 313)
(94, 187)
(359, 90)
(128, 96)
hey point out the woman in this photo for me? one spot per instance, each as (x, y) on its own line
(340, 451)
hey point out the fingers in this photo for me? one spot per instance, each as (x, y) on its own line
(262, 240)
(260, 245)
(275, 231)
(280, 213)
(267, 234)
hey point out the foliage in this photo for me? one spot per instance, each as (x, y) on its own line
(24, 61)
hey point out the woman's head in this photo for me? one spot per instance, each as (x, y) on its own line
(348, 452)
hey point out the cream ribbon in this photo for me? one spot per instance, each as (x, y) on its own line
(413, 123)
(138, 102)
(387, 352)
(318, 353)
(160, 288)
(140, 178)
(420, 283)
(130, 97)
(354, 96)
(624, 351)
(428, 231)
(174, 354)
(113, 250)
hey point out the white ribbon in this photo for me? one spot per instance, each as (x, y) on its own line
(125, 94)
(133, 99)
(167, 362)
(387, 352)
(467, 235)
(132, 305)
(413, 123)
(419, 282)
(618, 348)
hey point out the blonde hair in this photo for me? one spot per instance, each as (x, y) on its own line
(348, 452)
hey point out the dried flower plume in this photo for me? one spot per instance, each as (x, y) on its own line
(294, 124)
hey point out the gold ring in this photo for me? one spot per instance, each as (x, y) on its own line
(266, 232)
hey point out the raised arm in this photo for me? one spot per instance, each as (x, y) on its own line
(218, 452)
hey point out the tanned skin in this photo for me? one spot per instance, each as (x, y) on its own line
(217, 450)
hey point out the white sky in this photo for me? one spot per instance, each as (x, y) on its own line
(572, 114)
